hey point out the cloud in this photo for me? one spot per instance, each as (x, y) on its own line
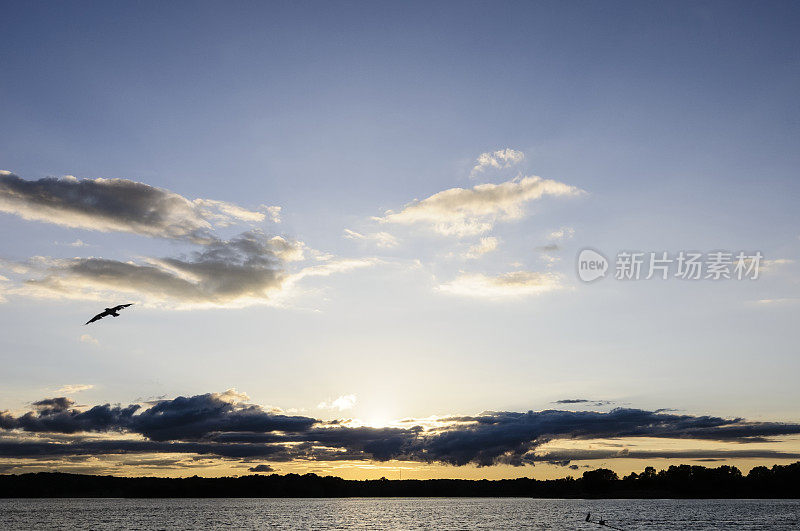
(583, 401)
(563, 457)
(274, 213)
(74, 388)
(226, 425)
(76, 243)
(781, 301)
(507, 285)
(564, 233)
(51, 405)
(501, 159)
(330, 267)
(777, 262)
(244, 270)
(546, 251)
(86, 338)
(261, 468)
(486, 245)
(512, 437)
(342, 403)
(381, 239)
(250, 268)
(224, 214)
(549, 248)
(463, 212)
(122, 205)
(199, 416)
(182, 418)
(232, 396)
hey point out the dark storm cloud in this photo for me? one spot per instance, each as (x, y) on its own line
(381, 444)
(53, 404)
(121, 446)
(198, 416)
(506, 437)
(261, 468)
(117, 205)
(223, 425)
(98, 418)
(182, 418)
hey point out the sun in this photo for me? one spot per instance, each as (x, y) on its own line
(378, 418)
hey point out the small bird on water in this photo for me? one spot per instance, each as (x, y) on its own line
(108, 311)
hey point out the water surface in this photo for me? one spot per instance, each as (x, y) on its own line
(393, 513)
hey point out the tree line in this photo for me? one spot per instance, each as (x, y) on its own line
(681, 481)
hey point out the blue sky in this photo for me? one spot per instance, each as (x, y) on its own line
(671, 127)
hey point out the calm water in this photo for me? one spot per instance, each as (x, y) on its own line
(395, 513)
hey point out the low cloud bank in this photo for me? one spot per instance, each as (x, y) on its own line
(226, 425)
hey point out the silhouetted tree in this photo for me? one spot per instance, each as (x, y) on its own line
(683, 481)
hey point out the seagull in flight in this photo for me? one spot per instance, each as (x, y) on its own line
(108, 311)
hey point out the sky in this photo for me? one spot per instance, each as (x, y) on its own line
(350, 232)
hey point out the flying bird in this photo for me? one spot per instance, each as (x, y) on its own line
(108, 311)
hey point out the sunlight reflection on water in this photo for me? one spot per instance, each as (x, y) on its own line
(394, 513)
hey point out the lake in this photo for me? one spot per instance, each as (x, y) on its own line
(394, 513)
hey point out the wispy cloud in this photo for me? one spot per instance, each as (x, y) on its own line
(274, 213)
(381, 239)
(508, 285)
(500, 159)
(548, 251)
(582, 401)
(337, 265)
(487, 244)
(342, 403)
(564, 233)
(75, 243)
(780, 300)
(470, 211)
(549, 248)
(224, 214)
(86, 338)
(74, 388)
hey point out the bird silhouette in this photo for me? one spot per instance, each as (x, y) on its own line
(108, 311)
